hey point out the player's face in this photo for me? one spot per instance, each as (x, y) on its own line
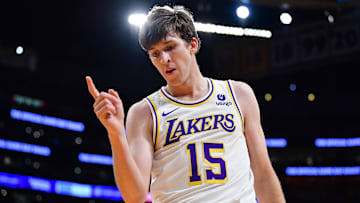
(172, 57)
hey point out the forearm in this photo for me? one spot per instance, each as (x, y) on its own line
(127, 174)
(132, 173)
(268, 188)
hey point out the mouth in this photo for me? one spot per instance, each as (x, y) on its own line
(170, 70)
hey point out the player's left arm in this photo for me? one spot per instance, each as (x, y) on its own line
(267, 184)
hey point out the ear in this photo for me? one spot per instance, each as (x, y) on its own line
(194, 45)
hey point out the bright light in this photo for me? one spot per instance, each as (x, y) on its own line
(60, 187)
(47, 120)
(19, 50)
(292, 87)
(257, 33)
(242, 12)
(95, 159)
(286, 18)
(337, 142)
(25, 147)
(235, 31)
(219, 29)
(268, 97)
(137, 19)
(323, 171)
(276, 142)
(331, 19)
(311, 97)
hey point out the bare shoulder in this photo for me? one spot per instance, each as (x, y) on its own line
(242, 89)
(140, 109)
(139, 116)
(246, 98)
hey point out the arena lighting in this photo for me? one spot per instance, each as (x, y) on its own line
(323, 171)
(78, 140)
(337, 142)
(137, 19)
(268, 97)
(276, 142)
(331, 18)
(25, 147)
(229, 30)
(19, 50)
(95, 159)
(242, 12)
(28, 101)
(47, 120)
(292, 87)
(61, 187)
(285, 18)
(217, 29)
(3, 192)
(311, 97)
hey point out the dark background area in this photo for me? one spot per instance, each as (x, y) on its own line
(66, 40)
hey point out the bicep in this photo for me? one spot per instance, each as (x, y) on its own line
(139, 135)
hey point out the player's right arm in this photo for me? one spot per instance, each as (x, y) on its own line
(133, 154)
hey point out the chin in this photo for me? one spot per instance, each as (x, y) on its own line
(174, 81)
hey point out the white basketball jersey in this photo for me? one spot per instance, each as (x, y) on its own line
(200, 149)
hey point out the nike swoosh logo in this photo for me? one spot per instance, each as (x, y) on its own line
(165, 114)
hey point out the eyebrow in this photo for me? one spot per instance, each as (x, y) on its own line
(165, 43)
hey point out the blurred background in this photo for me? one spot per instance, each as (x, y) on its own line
(305, 75)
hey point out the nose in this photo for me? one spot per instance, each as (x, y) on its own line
(165, 58)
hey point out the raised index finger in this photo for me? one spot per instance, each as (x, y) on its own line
(91, 87)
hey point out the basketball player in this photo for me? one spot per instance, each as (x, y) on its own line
(197, 139)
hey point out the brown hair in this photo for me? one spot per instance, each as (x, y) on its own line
(163, 20)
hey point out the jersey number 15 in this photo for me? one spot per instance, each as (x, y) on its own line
(214, 162)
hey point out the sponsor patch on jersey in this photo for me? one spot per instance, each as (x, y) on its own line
(221, 97)
(222, 100)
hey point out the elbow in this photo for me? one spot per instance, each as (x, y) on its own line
(131, 191)
(133, 196)
(264, 173)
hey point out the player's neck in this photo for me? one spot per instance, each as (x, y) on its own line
(193, 88)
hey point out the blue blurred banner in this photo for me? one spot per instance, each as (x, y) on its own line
(59, 187)
(47, 120)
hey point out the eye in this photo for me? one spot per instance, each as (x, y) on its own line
(154, 54)
(170, 47)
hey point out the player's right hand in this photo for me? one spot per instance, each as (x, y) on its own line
(108, 108)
